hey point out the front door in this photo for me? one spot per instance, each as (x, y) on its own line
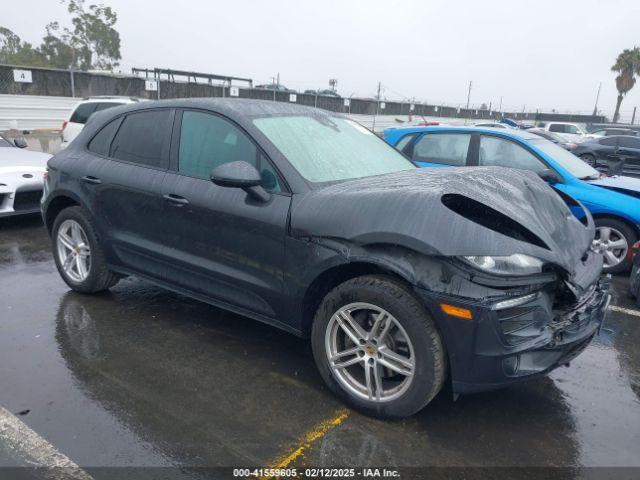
(222, 243)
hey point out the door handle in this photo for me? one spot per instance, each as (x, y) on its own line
(91, 180)
(175, 200)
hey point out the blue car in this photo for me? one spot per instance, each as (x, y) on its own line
(614, 202)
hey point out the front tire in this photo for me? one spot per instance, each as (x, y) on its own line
(77, 252)
(377, 348)
(614, 238)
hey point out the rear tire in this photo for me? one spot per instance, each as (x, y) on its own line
(399, 368)
(617, 230)
(77, 252)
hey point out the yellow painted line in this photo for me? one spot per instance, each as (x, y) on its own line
(316, 433)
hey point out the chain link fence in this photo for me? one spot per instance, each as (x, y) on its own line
(64, 83)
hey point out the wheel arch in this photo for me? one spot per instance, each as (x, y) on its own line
(635, 227)
(56, 205)
(333, 276)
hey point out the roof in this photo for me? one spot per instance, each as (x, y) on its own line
(231, 107)
(505, 132)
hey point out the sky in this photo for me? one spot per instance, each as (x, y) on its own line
(533, 54)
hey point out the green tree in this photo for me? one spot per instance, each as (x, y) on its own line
(91, 42)
(14, 51)
(628, 67)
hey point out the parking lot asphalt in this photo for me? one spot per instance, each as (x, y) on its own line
(144, 377)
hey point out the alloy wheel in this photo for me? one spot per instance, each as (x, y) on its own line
(613, 245)
(74, 252)
(369, 352)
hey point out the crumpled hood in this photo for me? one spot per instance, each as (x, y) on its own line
(406, 208)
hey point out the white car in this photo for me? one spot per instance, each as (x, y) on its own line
(495, 125)
(569, 131)
(21, 178)
(74, 125)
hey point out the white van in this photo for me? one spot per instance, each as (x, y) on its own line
(74, 125)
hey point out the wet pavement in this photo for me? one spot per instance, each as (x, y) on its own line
(144, 377)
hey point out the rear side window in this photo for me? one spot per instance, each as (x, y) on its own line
(608, 141)
(442, 148)
(629, 142)
(105, 105)
(142, 138)
(102, 141)
(82, 113)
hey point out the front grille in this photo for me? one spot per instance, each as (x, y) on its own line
(29, 200)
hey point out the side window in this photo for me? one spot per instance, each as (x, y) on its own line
(208, 141)
(608, 141)
(82, 113)
(442, 148)
(556, 127)
(101, 142)
(571, 129)
(105, 105)
(404, 141)
(500, 152)
(629, 142)
(142, 138)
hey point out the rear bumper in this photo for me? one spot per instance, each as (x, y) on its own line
(500, 347)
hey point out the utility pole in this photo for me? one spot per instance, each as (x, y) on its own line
(633, 117)
(500, 107)
(469, 94)
(595, 109)
(373, 127)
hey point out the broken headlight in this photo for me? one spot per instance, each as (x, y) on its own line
(516, 264)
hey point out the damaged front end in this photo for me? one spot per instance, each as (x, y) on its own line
(525, 326)
(495, 255)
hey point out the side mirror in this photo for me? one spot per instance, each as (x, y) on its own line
(240, 175)
(549, 176)
(20, 143)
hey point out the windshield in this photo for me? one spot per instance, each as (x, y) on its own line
(566, 159)
(325, 149)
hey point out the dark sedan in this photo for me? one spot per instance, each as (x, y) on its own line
(614, 154)
(307, 221)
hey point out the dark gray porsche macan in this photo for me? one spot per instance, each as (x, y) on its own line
(403, 278)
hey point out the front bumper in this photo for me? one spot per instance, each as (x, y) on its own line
(502, 346)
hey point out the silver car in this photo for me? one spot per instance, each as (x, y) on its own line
(21, 178)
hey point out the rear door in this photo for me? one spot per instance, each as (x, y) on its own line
(129, 162)
(629, 152)
(223, 243)
(605, 150)
(436, 149)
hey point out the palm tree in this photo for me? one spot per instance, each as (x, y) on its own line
(627, 66)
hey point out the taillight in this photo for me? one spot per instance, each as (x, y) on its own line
(635, 248)
(64, 125)
(45, 175)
